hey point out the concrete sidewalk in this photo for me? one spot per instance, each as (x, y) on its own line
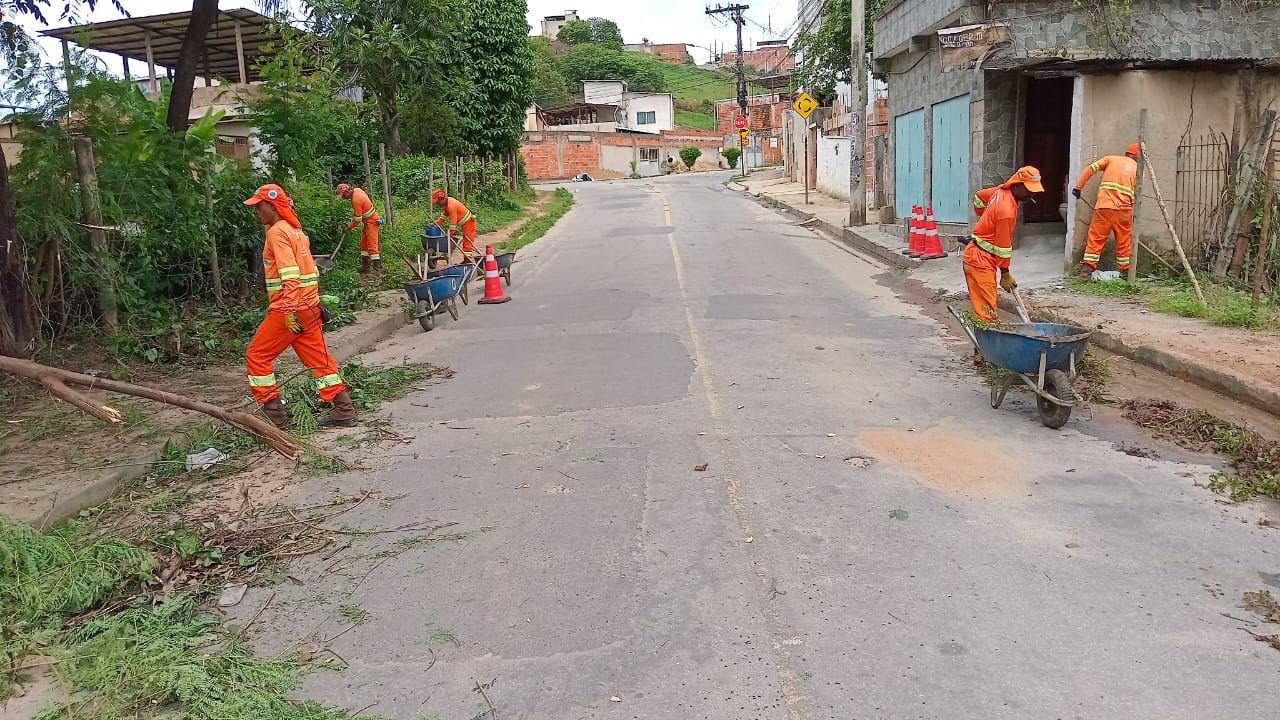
(1241, 364)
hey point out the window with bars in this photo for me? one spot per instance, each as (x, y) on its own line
(648, 154)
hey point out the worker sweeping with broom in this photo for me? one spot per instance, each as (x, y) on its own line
(1113, 211)
(295, 317)
(990, 247)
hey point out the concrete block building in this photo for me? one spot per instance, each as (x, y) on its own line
(978, 88)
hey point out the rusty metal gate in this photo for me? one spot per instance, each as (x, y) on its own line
(1201, 183)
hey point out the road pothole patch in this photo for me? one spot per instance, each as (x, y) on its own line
(859, 462)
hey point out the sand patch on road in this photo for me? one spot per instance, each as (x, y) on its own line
(952, 458)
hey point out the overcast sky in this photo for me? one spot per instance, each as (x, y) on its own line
(661, 21)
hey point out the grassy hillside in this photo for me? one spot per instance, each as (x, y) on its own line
(695, 88)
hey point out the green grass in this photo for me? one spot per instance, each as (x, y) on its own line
(693, 85)
(354, 613)
(692, 119)
(1224, 306)
(535, 228)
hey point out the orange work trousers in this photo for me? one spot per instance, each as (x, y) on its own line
(982, 274)
(469, 236)
(273, 338)
(369, 241)
(1105, 222)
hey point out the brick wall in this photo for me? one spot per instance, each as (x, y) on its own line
(769, 60)
(558, 156)
(764, 112)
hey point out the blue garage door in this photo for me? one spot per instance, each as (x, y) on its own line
(951, 159)
(908, 161)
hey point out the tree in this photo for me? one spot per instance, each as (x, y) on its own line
(17, 321)
(500, 65)
(731, 155)
(824, 53)
(550, 88)
(690, 155)
(592, 62)
(594, 31)
(398, 51)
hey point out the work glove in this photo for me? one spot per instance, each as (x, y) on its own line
(292, 322)
(1076, 193)
(1007, 282)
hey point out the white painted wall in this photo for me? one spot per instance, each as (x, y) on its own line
(662, 105)
(603, 92)
(833, 165)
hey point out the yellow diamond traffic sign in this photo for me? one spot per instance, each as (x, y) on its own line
(804, 105)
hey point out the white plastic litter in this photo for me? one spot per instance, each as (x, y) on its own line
(205, 460)
(1106, 275)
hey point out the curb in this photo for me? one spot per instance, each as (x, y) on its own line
(1241, 390)
(848, 236)
(389, 320)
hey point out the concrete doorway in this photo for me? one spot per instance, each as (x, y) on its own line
(1047, 144)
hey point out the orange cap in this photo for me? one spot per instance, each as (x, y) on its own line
(1133, 150)
(271, 193)
(438, 196)
(1028, 176)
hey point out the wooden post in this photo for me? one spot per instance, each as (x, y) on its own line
(1164, 210)
(215, 265)
(368, 170)
(431, 177)
(244, 75)
(1264, 240)
(97, 233)
(1137, 195)
(445, 162)
(153, 85)
(208, 81)
(386, 185)
(67, 71)
(124, 61)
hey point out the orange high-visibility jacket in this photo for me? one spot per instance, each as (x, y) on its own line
(293, 282)
(994, 231)
(982, 198)
(456, 213)
(362, 209)
(1119, 178)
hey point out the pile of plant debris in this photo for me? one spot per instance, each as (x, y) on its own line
(1255, 460)
(1262, 604)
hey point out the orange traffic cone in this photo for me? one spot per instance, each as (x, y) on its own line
(493, 293)
(913, 236)
(932, 247)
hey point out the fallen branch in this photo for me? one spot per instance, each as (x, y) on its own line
(58, 382)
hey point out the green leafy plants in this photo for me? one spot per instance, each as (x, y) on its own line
(690, 155)
(731, 155)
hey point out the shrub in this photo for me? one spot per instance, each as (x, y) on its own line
(732, 154)
(690, 155)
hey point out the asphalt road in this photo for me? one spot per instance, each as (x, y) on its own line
(869, 538)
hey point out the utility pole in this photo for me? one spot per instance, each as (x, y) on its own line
(735, 13)
(857, 115)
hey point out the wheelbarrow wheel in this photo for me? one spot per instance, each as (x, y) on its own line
(426, 318)
(1057, 384)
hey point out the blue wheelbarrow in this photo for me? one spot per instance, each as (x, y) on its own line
(464, 272)
(432, 295)
(435, 242)
(1042, 355)
(505, 261)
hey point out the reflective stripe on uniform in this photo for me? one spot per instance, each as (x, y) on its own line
(1122, 189)
(465, 218)
(1092, 257)
(262, 380)
(375, 256)
(309, 279)
(290, 273)
(1122, 261)
(367, 215)
(274, 285)
(326, 381)
(1002, 253)
(364, 253)
(977, 202)
(1096, 167)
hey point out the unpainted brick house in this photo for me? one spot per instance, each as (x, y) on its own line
(978, 88)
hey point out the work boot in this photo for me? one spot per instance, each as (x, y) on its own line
(343, 414)
(364, 264)
(377, 267)
(278, 414)
(1084, 272)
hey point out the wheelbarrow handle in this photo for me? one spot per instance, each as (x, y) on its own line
(967, 330)
(1022, 306)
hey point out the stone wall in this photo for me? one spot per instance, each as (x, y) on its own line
(1164, 29)
(899, 22)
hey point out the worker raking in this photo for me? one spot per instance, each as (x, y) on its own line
(295, 318)
(456, 219)
(1113, 212)
(990, 247)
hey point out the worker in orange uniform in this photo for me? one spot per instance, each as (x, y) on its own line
(455, 217)
(1113, 211)
(991, 244)
(982, 198)
(294, 315)
(363, 213)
